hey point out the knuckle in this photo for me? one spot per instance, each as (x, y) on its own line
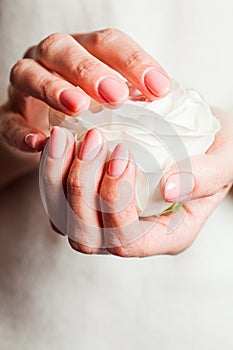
(74, 245)
(16, 71)
(114, 202)
(105, 35)
(123, 251)
(81, 248)
(74, 187)
(79, 186)
(51, 182)
(108, 204)
(44, 86)
(29, 53)
(86, 68)
(135, 58)
(45, 46)
(88, 250)
(108, 196)
(48, 88)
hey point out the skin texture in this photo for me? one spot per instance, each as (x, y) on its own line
(107, 217)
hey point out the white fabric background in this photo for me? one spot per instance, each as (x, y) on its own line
(53, 298)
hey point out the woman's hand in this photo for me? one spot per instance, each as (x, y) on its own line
(98, 211)
(64, 71)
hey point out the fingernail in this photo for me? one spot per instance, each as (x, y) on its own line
(90, 146)
(112, 90)
(179, 187)
(31, 140)
(119, 160)
(57, 144)
(74, 100)
(157, 83)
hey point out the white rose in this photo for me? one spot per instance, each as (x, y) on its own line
(158, 133)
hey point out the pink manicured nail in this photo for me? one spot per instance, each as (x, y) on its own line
(179, 187)
(57, 144)
(91, 145)
(157, 83)
(31, 140)
(112, 90)
(74, 100)
(119, 160)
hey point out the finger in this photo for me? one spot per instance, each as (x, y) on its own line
(206, 179)
(120, 218)
(55, 163)
(17, 133)
(122, 53)
(80, 68)
(29, 77)
(84, 219)
(208, 173)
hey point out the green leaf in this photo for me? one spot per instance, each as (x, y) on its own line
(172, 209)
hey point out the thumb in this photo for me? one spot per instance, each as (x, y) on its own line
(205, 177)
(17, 133)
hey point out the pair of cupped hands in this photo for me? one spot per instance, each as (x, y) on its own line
(65, 72)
